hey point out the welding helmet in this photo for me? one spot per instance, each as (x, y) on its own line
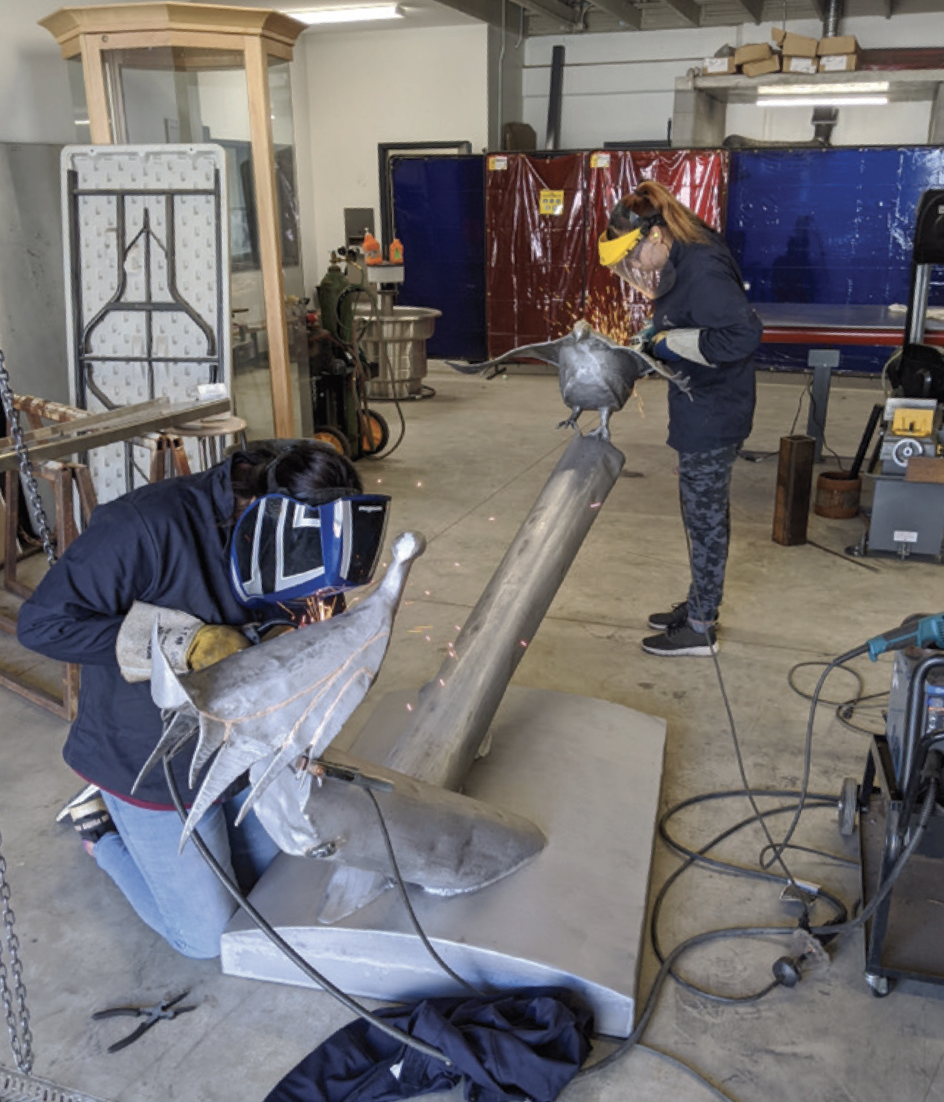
(642, 263)
(285, 550)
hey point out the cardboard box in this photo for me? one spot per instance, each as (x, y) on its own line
(794, 45)
(806, 65)
(754, 51)
(839, 63)
(838, 44)
(718, 66)
(758, 68)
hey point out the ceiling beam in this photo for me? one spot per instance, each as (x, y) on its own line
(754, 8)
(563, 14)
(687, 9)
(489, 11)
(623, 10)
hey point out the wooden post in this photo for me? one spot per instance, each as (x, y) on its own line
(794, 481)
(95, 94)
(270, 245)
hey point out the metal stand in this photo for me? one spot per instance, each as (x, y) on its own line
(905, 937)
(823, 361)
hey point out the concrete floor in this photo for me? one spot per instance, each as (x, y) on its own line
(469, 468)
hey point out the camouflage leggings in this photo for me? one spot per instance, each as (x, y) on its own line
(704, 491)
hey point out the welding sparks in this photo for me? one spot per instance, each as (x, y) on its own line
(595, 504)
(427, 592)
(524, 642)
(491, 518)
(419, 485)
(409, 707)
(442, 682)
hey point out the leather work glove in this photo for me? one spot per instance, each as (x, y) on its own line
(659, 347)
(214, 642)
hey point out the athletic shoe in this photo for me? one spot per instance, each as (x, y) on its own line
(79, 798)
(682, 639)
(659, 621)
(91, 820)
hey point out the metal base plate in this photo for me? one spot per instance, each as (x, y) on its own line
(588, 773)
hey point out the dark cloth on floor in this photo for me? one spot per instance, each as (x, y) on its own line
(525, 1045)
(708, 296)
(705, 492)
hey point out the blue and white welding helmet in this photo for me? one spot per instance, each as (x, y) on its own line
(285, 550)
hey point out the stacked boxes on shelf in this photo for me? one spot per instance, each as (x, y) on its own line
(795, 53)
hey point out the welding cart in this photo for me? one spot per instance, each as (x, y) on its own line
(905, 936)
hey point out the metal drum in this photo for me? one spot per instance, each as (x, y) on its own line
(397, 343)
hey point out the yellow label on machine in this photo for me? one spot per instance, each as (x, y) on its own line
(913, 422)
(551, 202)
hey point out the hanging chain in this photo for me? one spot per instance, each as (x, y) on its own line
(26, 467)
(12, 987)
(18, 1019)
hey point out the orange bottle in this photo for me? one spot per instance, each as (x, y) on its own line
(373, 253)
(396, 251)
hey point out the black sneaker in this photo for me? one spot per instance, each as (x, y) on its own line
(91, 819)
(682, 639)
(659, 621)
(79, 798)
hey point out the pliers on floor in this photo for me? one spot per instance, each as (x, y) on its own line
(166, 1008)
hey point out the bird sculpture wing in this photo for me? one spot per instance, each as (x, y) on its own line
(638, 361)
(548, 353)
(281, 700)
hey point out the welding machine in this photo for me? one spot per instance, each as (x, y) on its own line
(905, 936)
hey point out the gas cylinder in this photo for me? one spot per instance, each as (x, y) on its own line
(336, 305)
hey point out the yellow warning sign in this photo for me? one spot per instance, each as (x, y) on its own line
(497, 164)
(552, 202)
(599, 160)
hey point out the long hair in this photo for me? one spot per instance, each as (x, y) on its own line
(301, 470)
(654, 199)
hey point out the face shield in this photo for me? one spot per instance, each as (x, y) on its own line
(284, 550)
(642, 263)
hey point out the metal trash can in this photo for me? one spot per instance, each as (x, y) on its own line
(397, 343)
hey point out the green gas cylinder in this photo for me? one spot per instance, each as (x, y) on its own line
(336, 303)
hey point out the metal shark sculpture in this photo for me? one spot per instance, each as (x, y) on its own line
(271, 705)
(279, 701)
(594, 372)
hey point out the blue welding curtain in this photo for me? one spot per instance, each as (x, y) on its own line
(439, 216)
(829, 226)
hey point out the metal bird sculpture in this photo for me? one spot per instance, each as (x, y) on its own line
(594, 372)
(281, 700)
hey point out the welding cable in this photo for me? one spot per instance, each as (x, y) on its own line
(293, 955)
(860, 683)
(405, 899)
(699, 857)
(732, 726)
(848, 708)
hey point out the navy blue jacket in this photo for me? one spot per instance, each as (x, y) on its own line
(708, 294)
(166, 544)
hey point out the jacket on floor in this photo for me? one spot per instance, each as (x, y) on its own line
(720, 333)
(519, 1045)
(167, 544)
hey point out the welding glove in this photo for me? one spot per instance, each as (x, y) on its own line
(176, 632)
(212, 643)
(672, 345)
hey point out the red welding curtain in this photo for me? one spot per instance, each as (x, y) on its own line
(543, 272)
(536, 262)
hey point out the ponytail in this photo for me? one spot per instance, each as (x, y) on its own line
(654, 200)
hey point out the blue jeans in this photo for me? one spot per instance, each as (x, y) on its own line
(177, 895)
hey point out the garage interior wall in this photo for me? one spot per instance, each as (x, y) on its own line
(621, 86)
(361, 88)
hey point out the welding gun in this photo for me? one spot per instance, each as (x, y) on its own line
(926, 631)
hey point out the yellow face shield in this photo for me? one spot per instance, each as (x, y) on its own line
(613, 251)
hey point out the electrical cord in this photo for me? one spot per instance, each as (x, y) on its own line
(860, 683)
(405, 899)
(293, 955)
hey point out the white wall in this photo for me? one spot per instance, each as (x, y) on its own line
(621, 86)
(35, 104)
(365, 87)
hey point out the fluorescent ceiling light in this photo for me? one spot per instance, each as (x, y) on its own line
(822, 101)
(822, 89)
(361, 14)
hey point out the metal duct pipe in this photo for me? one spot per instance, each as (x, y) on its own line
(832, 18)
(556, 99)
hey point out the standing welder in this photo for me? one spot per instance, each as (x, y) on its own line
(705, 328)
